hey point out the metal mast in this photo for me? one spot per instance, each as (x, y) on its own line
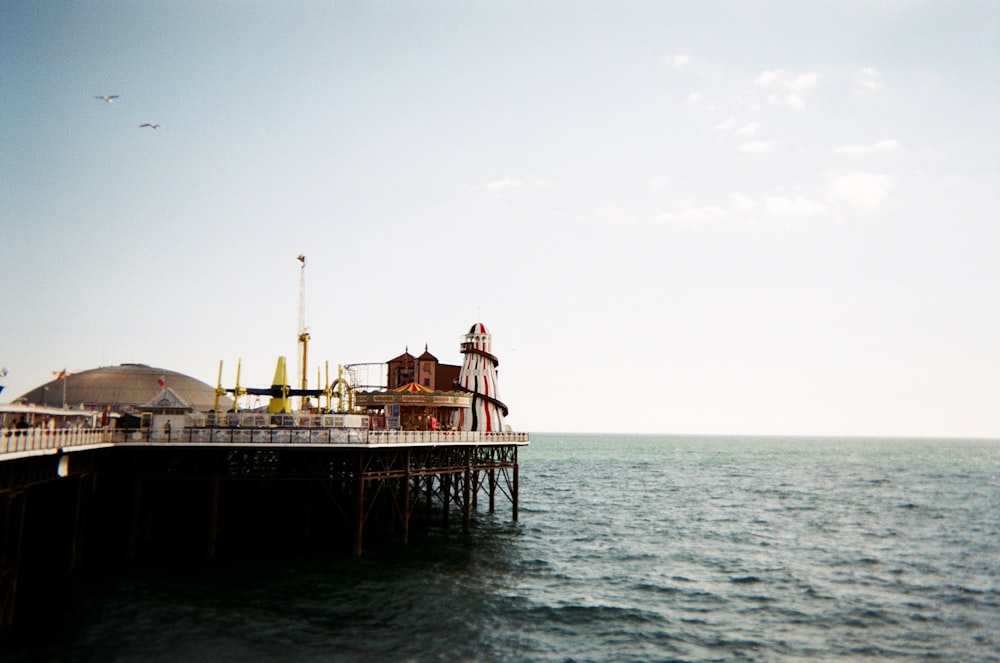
(303, 332)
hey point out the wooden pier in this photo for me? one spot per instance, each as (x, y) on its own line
(101, 497)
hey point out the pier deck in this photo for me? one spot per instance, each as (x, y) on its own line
(204, 491)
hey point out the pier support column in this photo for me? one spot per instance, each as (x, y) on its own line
(11, 536)
(406, 500)
(429, 494)
(493, 489)
(78, 521)
(467, 494)
(446, 497)
(513, 492)
(359, 503)
(132, 546)
(215, 501)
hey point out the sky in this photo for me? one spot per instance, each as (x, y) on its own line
(688, 217)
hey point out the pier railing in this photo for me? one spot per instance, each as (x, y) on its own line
(317, 435)
(40, 440)
(29, 440)
(443, 437)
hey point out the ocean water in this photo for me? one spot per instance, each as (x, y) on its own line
(628, 548)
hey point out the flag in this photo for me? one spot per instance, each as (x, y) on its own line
(61, 375)
(162, 381)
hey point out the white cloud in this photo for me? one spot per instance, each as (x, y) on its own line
(789, 100)
(756, 147)
(612, 215)
(867, 79)
(786, 88)
(725, 127)
(795, 206)
(659, 182)
(862, 150)
(780, 79)
(747, 103)
(499, 185)
(694, 99)
(866, 190)
(677, 61)
(698, 99)
(686, 216)
(510, 184)
(689, 216)
(731, 126)
(741, 203)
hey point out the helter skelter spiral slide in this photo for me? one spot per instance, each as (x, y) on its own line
(479, 378)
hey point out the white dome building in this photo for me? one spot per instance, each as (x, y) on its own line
(122, 388)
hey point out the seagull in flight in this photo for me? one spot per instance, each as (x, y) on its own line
(109, 98)
(150, 125)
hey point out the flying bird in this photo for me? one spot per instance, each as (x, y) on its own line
(107, 97)
(150, 125)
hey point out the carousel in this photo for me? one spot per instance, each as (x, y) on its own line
(412, 407)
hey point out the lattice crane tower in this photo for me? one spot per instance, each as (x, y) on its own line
(478, 376)
(303, 332)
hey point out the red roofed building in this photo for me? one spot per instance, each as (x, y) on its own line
(424, 370)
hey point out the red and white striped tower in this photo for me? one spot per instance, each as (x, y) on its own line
(479, 377)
